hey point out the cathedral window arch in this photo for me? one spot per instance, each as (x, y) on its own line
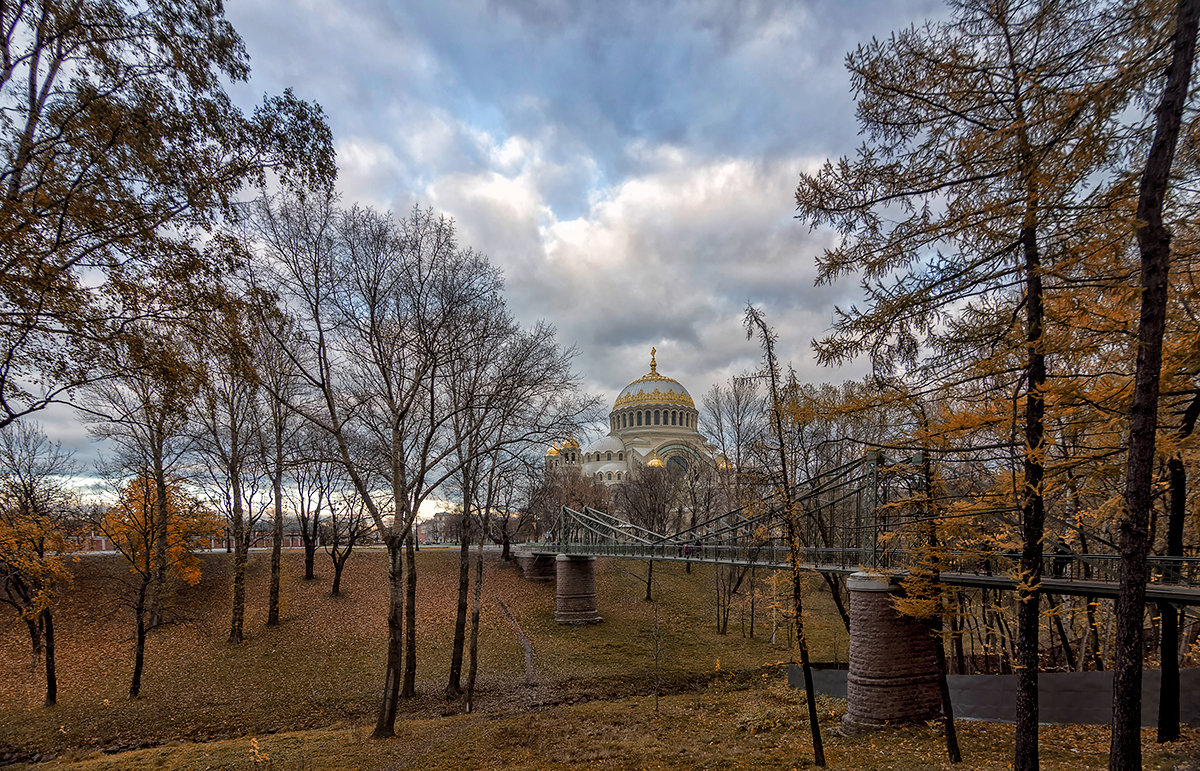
(674, 418)
(610, 476)
(609, 456)
(639, 417)
(618, 476)
(656, 415)
(620, 456)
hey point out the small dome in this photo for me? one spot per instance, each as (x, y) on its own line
(570, 444)
(653, 388)
(654, 462)
(552, 451)
(605, 444)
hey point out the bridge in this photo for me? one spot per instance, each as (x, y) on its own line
(867, 521)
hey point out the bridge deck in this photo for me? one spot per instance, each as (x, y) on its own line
(1061, 578)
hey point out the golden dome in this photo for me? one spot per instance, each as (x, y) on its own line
(570, 444)
(654, 462)
(552, 451)
(653, 388)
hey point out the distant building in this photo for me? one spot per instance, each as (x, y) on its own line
(442, 527)
(652, 423)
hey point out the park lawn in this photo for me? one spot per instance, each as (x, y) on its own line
(322, 667)
(731, 723)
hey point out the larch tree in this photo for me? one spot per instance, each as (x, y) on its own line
(986, 134)
(756, 326)
(1154, 246)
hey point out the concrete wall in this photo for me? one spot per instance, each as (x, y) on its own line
(1064, 697)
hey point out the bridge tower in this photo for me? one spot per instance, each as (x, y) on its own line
(893, 664)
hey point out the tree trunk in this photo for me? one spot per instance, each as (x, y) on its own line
(277, 537)
(454, 682)
(473, 666)
(1032, 512)
(51, 675)
(338, 565)
(161, 526)
(1064, 639)
(310, 558)
(1154, 244)
(649, 581)
(1168, 695)
(386, 721)
(948, 728)
(410, 617)
(139, 656)
(237, 619)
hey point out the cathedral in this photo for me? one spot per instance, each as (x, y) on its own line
(652, 423)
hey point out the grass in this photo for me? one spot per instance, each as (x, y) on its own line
(303, 695)
(323, 665)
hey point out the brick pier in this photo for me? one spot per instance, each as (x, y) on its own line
(893, 666)
(575, 595)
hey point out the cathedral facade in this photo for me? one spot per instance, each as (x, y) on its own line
(653, 422)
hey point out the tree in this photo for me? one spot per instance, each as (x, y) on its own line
(35, 505)
(648, 499)
(986, 135)
(132, 524)
(384, 311)
(120, 148)
(347, 525)
(277, 375)
(1154, 244)
(229, 414)
(144, 414)
(757, 325)
(509, 391)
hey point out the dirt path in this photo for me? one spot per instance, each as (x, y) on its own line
(530, 676)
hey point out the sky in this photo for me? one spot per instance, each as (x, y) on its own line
(629, 164)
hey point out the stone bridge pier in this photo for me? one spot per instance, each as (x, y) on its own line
(575, 593)
(893, 664)
(536, 567)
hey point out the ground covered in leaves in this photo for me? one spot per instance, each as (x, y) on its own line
(303, 695)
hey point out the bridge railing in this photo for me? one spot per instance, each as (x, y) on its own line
(1099, 568)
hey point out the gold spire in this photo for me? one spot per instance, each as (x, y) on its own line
(653, 364)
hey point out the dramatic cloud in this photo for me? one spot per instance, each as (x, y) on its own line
(629, 164)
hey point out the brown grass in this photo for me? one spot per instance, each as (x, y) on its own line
(323, 665)
(303, 695)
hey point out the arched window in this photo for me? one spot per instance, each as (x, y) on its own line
(656, 417)
(623, 422)
(639, 417)
(610, 476)
(608, 456)
(674, 417)
(620, 456)
(618, 476)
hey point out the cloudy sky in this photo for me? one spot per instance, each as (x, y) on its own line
(629, 165)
